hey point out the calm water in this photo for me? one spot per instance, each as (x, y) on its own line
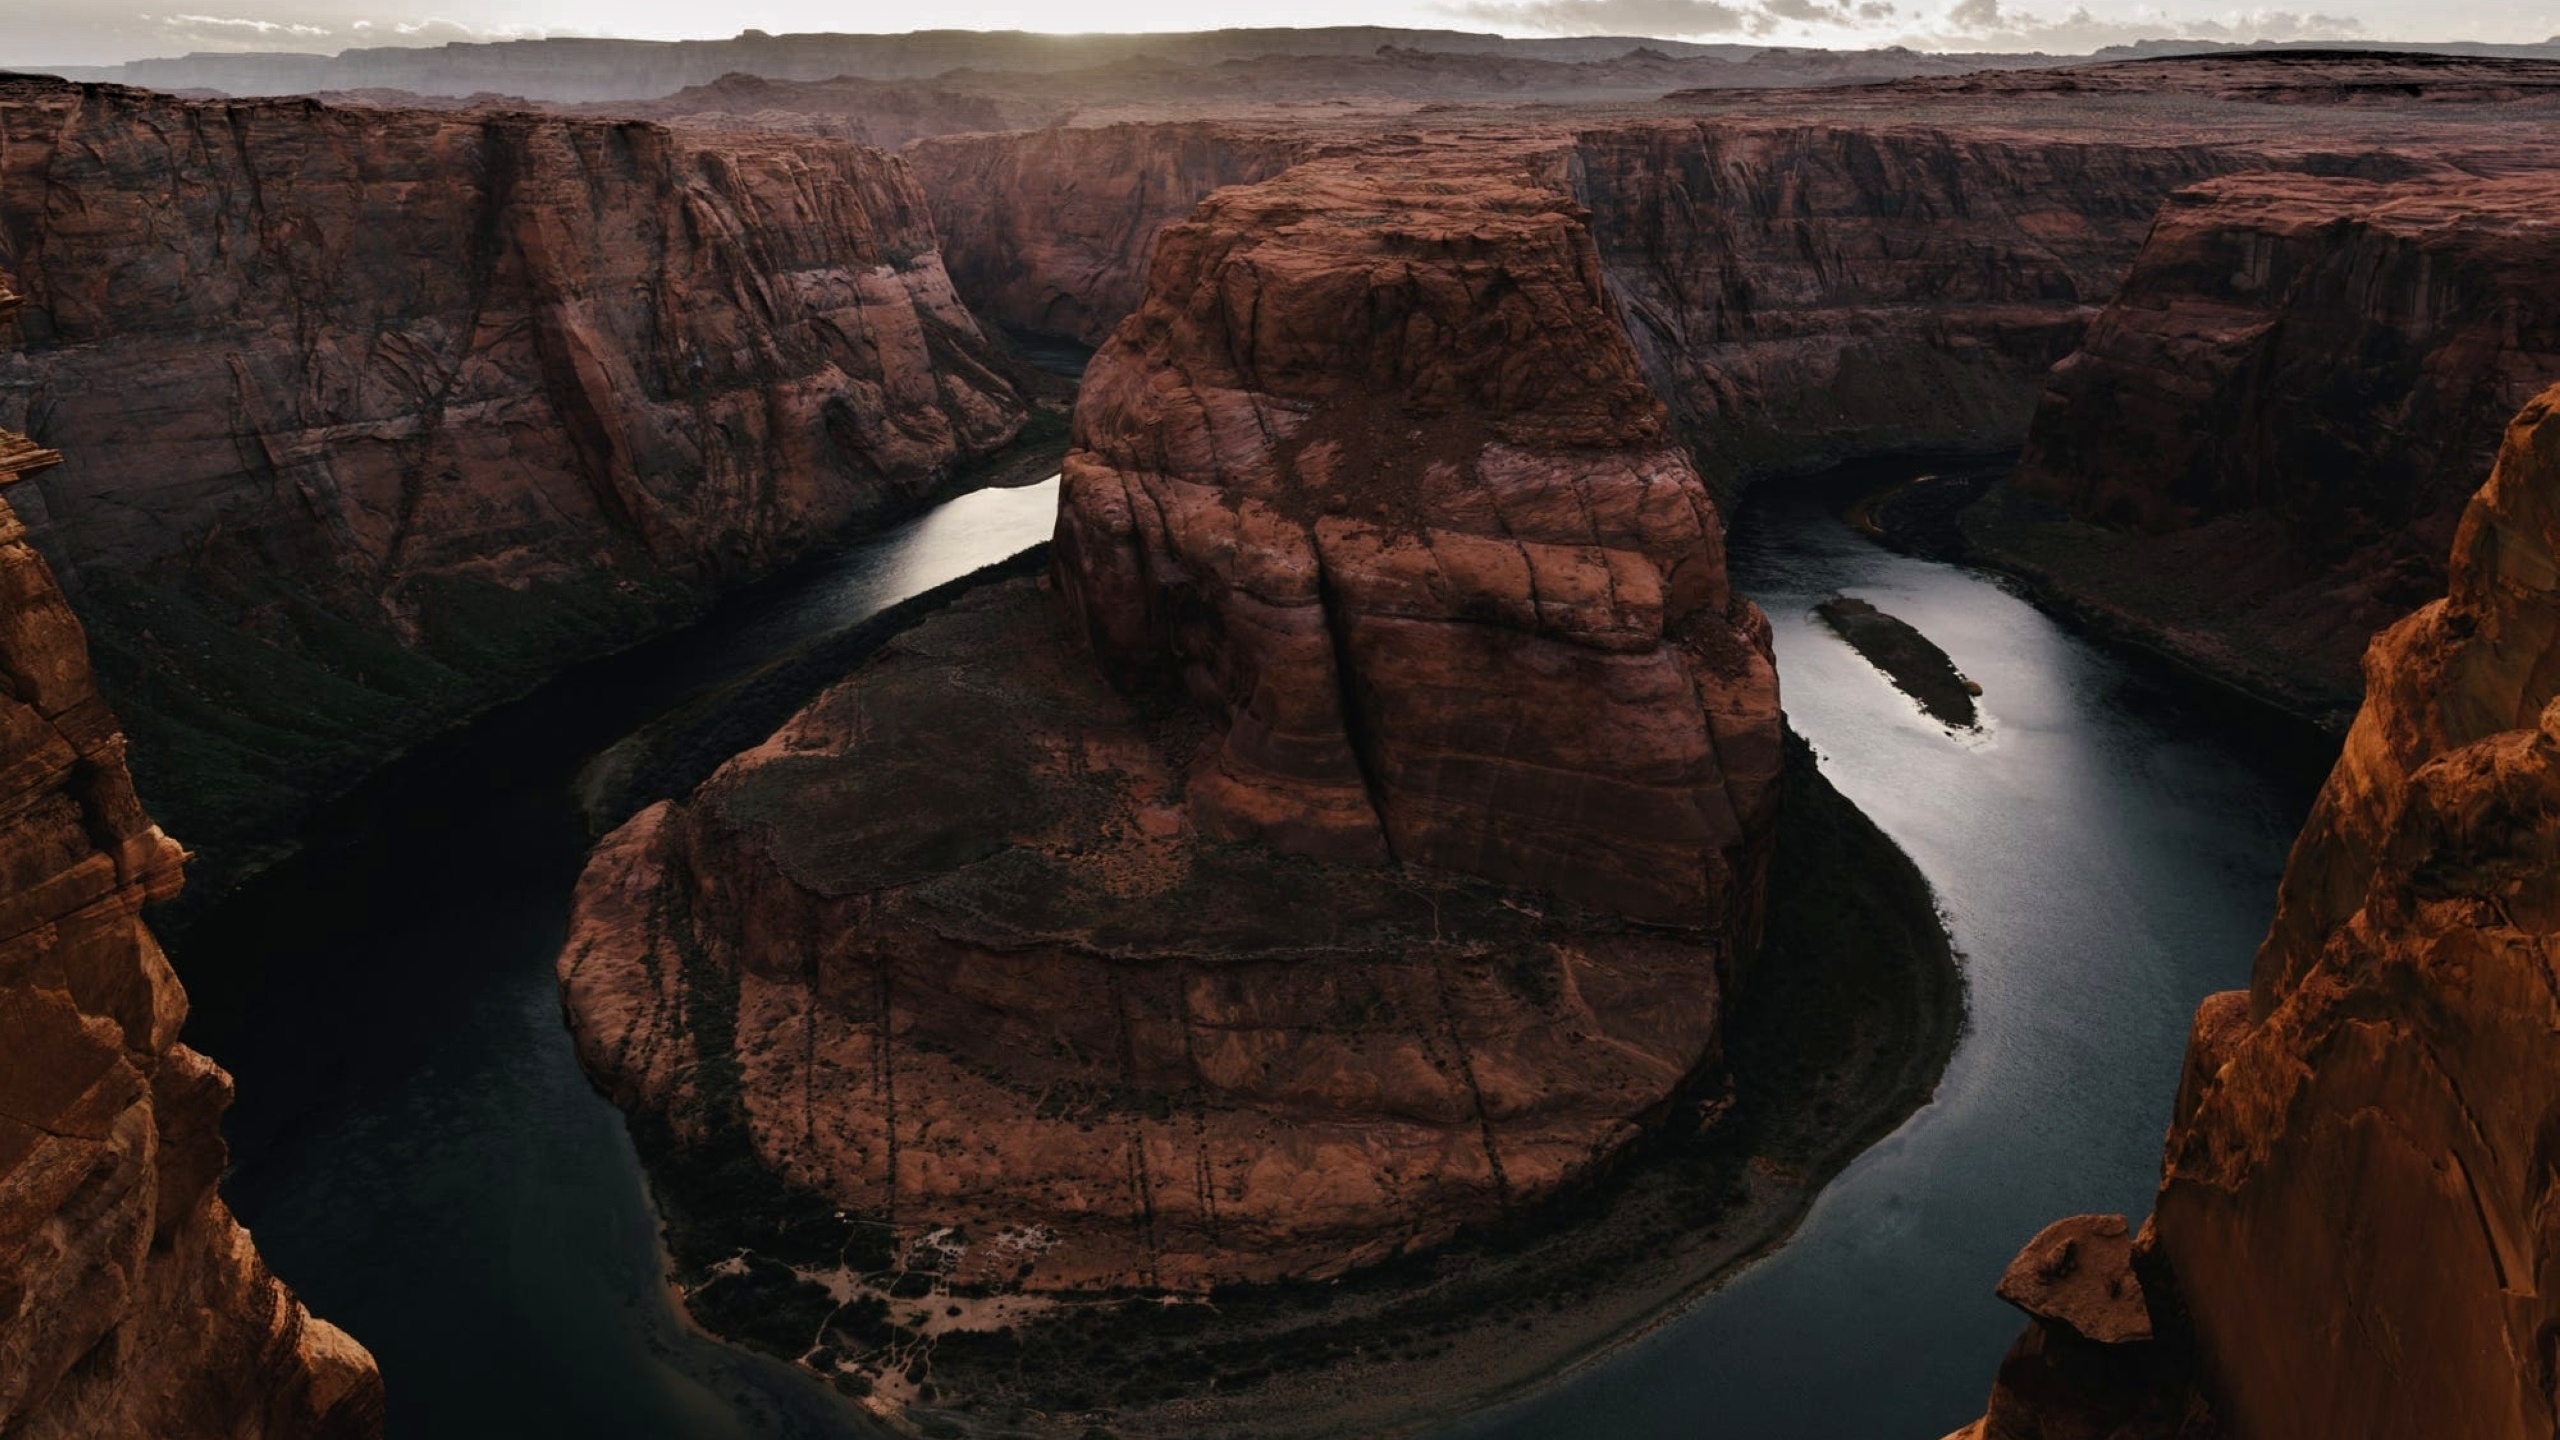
(421, 1158)
(2108, 856)
(415, 1147)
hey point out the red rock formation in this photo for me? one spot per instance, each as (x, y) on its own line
(1806, 291)
(2355, 1231)
(1003, 953)
(383, 414)
(1451, 590)
(1051, 231)
(131, 1303)
(2289, 406)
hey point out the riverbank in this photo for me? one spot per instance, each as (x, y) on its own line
(292, 815)
(1842, 1030)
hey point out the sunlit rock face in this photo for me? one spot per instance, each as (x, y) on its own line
(131, 1303)
(1351, 841)
(382, 415)
(2355, 1231)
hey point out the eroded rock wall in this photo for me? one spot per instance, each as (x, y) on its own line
(381, 415)
(2283, 415)
(131, 1303)
(1050, 231)
(1375, 477)
(1805, 292)
(2355, 1233)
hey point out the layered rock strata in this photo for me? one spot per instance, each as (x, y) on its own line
(2354, 1232)
(131, 1303)
(1051, 231)
(385, 414)
(1125, 981)
(2280, 419)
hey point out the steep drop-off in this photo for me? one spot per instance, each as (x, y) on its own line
(381, 415)
(1070, 983)
(1806, 292)
(2263, 448)
(1050, 231)
(2355, 1232)
(131, 1303)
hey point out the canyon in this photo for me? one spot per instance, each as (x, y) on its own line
(1132, 928)
(131, 1302)
(383, 416)
(1356, 852)
(2384, 1076)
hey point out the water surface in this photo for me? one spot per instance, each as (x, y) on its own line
(2107, 854)
(415, 1147)
(419, 1155)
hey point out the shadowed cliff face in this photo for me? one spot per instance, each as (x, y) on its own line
(1798, 292)
(1051, 231)
(131, 1303)
(381, 415)
(2391, 1072)
(2287, 409)
(1802, 292)
(1119, 979)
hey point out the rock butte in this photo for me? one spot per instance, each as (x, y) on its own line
(1126, 978)
(131, 1303)
(2388, 1075)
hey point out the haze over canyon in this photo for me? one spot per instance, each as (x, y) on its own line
(1254, 733)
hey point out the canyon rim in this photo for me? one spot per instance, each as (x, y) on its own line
(1215, 734)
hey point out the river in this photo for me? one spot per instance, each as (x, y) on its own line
(418, 1154)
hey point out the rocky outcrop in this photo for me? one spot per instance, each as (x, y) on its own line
(1122, 984)
(2280, 420)
(2354, 1232)
(1051, 231)
(1399, 509)
(382, 415)
(131, 1303)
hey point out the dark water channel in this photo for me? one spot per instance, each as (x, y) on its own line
(419, 1155)
(2106, 849)
(414, 1145)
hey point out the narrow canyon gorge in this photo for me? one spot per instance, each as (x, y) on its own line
(1429, 888)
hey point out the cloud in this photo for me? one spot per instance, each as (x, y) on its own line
(238, 25)
(1984, 24)
(1966, 25)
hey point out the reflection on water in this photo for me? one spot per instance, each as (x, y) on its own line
(2107, 860)
(415, 1147)
(420, 1156)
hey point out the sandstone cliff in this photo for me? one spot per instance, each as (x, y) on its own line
(2280, 419)
(1050, 231)
(2354, 1234)
(1807, 292)
(382, 415)
(131, 1303)
(1116, 985)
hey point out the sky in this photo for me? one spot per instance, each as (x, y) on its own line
(95, 32)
